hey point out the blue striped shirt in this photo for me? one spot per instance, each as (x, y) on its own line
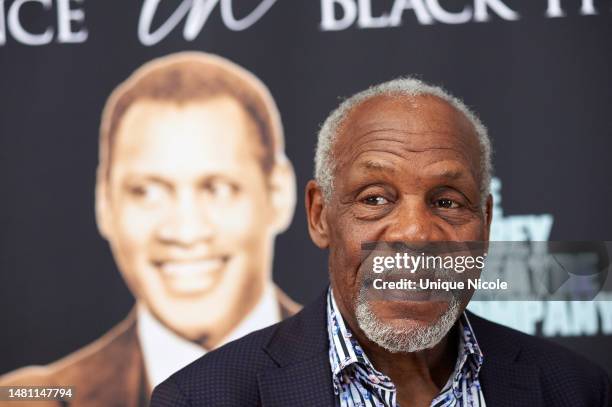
(358, 384)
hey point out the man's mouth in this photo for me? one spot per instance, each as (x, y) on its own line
(190, 268)
(191, 276)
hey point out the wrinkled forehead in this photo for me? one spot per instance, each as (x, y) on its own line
(418, 123)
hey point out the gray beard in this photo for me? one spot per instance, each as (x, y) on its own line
(403, 340)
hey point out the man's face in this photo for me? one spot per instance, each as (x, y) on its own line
(186, 211)
(407, 169)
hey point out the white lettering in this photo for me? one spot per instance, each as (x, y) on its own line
(447, 17)
(479, 284)
(197, 12)
(146, 18)
(557, 321)
(554, 9)
(532, 312)
(200, 11)
(587, 8)
(584, 317)
(65, 17)
(329, 21)
(377, 266)
(604, 305)
(507, 313)
(419, 8)
(481, 14)
(227, 14)
(366, 20)
(518, 227)
(2, 25)
(518, 276)
(558, 318)
(17, 30)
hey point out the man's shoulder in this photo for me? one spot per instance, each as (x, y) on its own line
(116, 351)
(540, 351)
(72, 366)
(228, 373)
(245, 352)
(561, 372)
(231, 372)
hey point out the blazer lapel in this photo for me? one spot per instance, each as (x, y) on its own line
(108, 372)
(302, 376)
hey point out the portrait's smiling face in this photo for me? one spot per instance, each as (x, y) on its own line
(406, 169)
(186, 210)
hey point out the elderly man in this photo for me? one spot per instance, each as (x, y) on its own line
(400, 162)
(193, 186)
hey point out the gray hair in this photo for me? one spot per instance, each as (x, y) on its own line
(410, 87)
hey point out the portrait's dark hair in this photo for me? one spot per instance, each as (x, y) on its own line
(190, 77)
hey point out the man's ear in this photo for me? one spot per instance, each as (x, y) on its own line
(102, 205)
(315, 213)
(282, 184)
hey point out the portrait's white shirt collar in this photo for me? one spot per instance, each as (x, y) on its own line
(165, 352)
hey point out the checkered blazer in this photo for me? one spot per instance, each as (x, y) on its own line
(287, 364)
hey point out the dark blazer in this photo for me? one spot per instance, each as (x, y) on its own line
(287, 365)
(106, 373)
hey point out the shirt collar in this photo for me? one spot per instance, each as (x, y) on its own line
(469, 357)
(165, 352)
(345, 351)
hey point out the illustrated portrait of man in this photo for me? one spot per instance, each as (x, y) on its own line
(402, 161)
(192, 187)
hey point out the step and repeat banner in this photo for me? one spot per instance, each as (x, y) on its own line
(159, 150)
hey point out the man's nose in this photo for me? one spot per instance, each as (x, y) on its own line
(187, 222)
(413, 222)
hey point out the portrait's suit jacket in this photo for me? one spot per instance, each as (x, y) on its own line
(107, 373)
(287, 364)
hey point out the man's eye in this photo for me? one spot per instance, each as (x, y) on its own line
(147, 193)
(375, 200)
(220, 189)
(137, 190)
(446, 203)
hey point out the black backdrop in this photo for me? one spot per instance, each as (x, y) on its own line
(542, 82)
